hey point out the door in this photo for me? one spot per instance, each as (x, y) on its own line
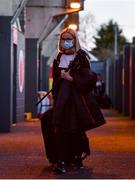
(14, 82)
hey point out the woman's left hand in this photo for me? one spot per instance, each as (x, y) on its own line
(66, 75)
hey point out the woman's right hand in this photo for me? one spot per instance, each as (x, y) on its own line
(66, 75)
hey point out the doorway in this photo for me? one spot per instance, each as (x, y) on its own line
(14, 119)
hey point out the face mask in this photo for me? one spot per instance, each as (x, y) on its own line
(67, 44)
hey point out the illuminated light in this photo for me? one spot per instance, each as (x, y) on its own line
(73, 26)
(75, 5)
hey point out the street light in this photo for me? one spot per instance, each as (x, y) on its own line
(75, 5)
(73, 26)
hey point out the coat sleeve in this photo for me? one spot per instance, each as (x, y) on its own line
(84, 79)
(55, 75)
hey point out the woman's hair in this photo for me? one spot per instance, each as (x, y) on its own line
(73, 34)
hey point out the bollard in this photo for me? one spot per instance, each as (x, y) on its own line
(28, 116)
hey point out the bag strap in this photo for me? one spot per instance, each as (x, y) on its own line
(58, 57)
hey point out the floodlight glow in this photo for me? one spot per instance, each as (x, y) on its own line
(73, 26)
(75, 5)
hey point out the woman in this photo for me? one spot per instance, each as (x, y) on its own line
(75, 110)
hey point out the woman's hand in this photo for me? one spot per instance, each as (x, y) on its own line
(66, 75)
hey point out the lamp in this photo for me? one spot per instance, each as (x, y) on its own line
(73, 26)
(75, 5)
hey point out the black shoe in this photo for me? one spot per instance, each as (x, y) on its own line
(79, 164)
(59, 167)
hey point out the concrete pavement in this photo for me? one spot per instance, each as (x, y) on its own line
(112, 152)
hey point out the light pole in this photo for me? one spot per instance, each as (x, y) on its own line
(115, 41)
(114, 63)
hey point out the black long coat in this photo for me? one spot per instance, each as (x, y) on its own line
(75, 108)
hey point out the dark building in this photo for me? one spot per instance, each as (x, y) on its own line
(28, 33)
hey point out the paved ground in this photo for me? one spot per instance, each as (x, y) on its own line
(112, 145)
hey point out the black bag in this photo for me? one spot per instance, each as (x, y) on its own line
(47, 132)
(106, 102)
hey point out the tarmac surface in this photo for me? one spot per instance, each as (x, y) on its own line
(112, 152)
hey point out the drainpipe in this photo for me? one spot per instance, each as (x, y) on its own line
(19, 9)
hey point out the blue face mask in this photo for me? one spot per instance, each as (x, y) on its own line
(67, 44)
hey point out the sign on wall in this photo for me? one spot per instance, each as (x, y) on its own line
(15, 34)
(21, 71)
